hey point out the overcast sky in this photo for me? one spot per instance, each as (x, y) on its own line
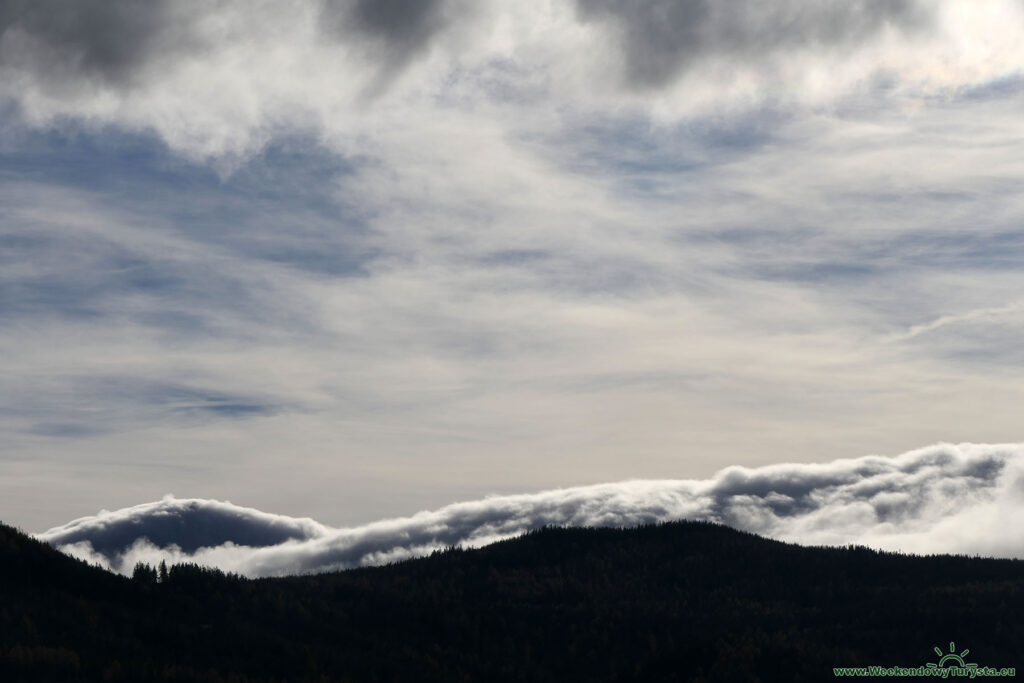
(354, 259)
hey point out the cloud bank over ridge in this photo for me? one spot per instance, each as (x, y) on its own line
(966, 498)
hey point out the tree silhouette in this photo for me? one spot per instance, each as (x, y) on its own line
(144, 573)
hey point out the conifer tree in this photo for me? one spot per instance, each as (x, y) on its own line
(144, 573)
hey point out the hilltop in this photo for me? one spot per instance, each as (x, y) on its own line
(685, 601)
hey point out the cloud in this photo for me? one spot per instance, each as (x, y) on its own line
(187, 524)
(219, 80)
(997, 313)
(942, 499)
(61, 41)
(391, 259)
(661, 38)
(393, 31)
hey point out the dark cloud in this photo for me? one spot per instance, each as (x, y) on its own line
(182, 399)
(77, 407)
(662, 38)
(406, 26)
(393, 31)
(65, 40)
(188, 524)
(924, 501)
(64, 430)
(69, 43)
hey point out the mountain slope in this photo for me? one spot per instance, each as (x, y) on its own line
(675, 602)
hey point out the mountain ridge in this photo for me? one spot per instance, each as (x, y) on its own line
(681, 601)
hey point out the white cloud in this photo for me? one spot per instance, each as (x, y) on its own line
(525, 271)
(942, 499)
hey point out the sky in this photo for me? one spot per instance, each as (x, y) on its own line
(351, 260)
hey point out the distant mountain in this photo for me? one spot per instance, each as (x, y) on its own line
(685, 601)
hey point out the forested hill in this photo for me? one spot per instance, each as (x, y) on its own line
(675, 602)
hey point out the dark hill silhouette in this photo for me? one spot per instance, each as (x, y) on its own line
(675, 602)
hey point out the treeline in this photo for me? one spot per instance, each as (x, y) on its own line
(181, 574)
(676, 602)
